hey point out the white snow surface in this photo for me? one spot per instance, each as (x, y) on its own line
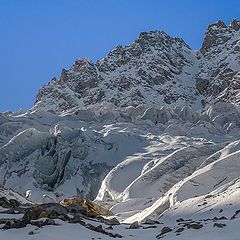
(176, 164)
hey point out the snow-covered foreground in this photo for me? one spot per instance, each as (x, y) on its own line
(175, 166)
(73, 231)
(77, 232)
(213, 216)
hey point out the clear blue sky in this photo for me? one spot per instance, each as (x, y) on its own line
(40, 37)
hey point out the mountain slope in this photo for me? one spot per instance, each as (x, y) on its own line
(151, 70)
(151, 131)
(155, 69)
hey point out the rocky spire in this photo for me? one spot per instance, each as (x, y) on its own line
(216, 33)
(235, 24)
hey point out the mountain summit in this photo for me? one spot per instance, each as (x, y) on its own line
(155, 69)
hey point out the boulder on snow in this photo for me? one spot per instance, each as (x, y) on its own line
(111, 221)
(134, 225)
(219, 225)
(150, 221)
(164, 230)
(194, 225)
(87, 205)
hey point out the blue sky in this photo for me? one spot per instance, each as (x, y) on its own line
(40, 37)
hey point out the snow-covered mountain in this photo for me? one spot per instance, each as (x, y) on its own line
(150, 131)
(155, 70)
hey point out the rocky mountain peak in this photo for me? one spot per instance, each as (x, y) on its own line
(235, 24)
(81, 75)
(155, 69)
(220, 59)
(217, 33)
(156, 38)
(149, 45)
(219, 24)
(82, 64)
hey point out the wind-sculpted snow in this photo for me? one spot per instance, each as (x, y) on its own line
(154, 182)
(206, 181)
(130, 154)
(22, 145)
(66, 151)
